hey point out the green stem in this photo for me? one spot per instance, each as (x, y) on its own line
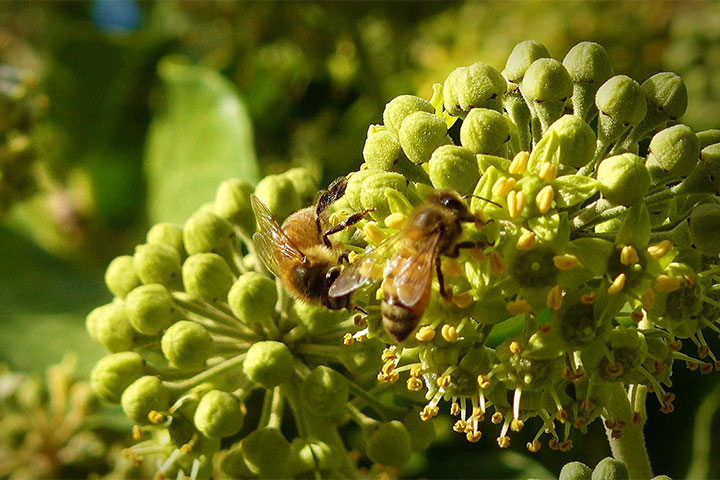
(702, 435)
(208, 374)
(385, 411)
(630, 447)
(271, 413)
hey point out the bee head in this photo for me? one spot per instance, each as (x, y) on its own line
(454, 202)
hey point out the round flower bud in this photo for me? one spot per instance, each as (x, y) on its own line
(219, 414)
(575, 471)
(268, 363)
(110, 325)
(389, 445)
(279, 194)
(666, 94)
(577, 140)
(208, 276)
(673, 151)
(167, 234)
(310, 455)
(381, 150)
(326, 391)
(354, 188)
(704, 228)
(232, 202)
(373, 195)
(150, 308)
(478, 85)
(252, 298)
(589, 67)
(113, 373)
(266, 452)
(232, 463)
(400, 107)
(421, 433)
(454, 168)
(545, 80)
(610, 469)
(120, 276)
(158, 263)
(363, 358)
(186, 345)
(708, 137)
(484, 131)
(305, 184)
(623, 179)
(316, 318)
(621, 98)
(521, 57)
(421, 133)
(142, 397)
(205, 232)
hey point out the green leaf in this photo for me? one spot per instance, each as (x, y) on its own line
(573, 189)
(635, 228)
(593, 253)
(200, 137)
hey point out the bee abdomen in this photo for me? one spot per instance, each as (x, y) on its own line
(398, 320)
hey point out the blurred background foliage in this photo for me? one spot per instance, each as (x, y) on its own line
(115, 114)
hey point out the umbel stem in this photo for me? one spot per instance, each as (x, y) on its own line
(630, 447)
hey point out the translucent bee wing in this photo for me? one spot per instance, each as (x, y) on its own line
(367, 269)
(273, 246)
(414, 275)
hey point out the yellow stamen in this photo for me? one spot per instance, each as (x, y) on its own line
(503, 442)
(496, 418)
(428, 412)
(395, 220)
(449, 333)
(648, 299)
(414, 384)
(348, 339)
(459, 426)
(502, 186)
(628, 255)
(617, 284)
(473, 437)
(483, 381)
(186, 449)
(534, 446)
(373, 234)
(565, 262)
(666, 284)
(515, 203)
(544, 198)
(462, 300)
(555, 298)
(137, 433)
(519, 163)
(515, 347)
(444, 381)
(526, 241)
(155, 417)
(547, 172)
(425, 334)
(516, 425)
(497, 264)
(660, 249)
(517, 307)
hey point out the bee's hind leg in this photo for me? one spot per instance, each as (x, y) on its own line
(464, 245)
(441, 278)
(348, 222)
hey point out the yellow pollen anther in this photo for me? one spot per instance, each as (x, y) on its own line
(660, 249)
(617, 284)
(459, 426)
(517, 307)
(483, 381)
(477, 254)
(666, 284)
(428, 412)
(416, 371)
(588, 298)
(502, 186)
(414, 384)
(473, 436)
(389, 354)
(497, 264)
(519, 162)
(352, 256)
(452, 268)
(648, 299)
(515, 203)
(516, 425)
(526, 241)
(388, 368)
(544, 198)
(373, 233)
(186, 449)
(555, 298)
(444, 381)
(547, 172)
(395, 220)
(515, 347)
(348, 339)
(628, 255)
(503, 442)
(155, 417)
(449, 333)
(137, 433)
(455, 409)
(565, 262)
(533, 447)
(496, 418)
(561, 415)
(462, 300)
(425, 334)
(477, 414)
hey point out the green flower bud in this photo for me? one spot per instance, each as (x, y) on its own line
(476, 86)
(206, 232)
(279, 194)
(308, 455)
(120, 276)
(232, 463)
(576, 139)
(421, 133)
(666, 96)
(485, 131)
(704, 228)
(708, 137)
(167, 234)
(673, 152)
(266, 452)
(252, 298)
(363, 358)
(354, 188)
(402, 106)
(110, 325)
(622, 99)
(158, 263)
(454, 168)
(114, 373)
(610, 469)
(522, 56)
(219, 414)
(575, 471)
(421, 433)
(315, 318)
(208, 276)
(382, 150)
(325, 391)
(150, 308)
(268, 363)
(305, 184)
(232, 202)
(389, 445)
(661, 477)
(546, 88)
(373, 195)
(186, 345)
(142, 397)
(589, 67)
(623, 179)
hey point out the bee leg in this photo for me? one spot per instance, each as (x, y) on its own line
(441, 279)
(348, 222)
(355, 307)
(459, 246)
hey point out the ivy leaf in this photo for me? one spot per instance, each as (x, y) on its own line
(573, 189)
(200, 137)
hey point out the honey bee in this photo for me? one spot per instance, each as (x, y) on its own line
(299, 252)
(432, 230)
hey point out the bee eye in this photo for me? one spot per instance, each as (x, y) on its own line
(332, 274)
(453, 203)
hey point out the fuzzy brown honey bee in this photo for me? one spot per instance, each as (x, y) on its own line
(431, 231)
(299, 252)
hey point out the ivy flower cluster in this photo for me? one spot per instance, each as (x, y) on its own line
(593, 259)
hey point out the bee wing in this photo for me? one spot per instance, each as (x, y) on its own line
(414, 277)
(365, 270)
(273, 246)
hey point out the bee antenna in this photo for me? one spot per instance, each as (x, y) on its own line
(465, 197)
